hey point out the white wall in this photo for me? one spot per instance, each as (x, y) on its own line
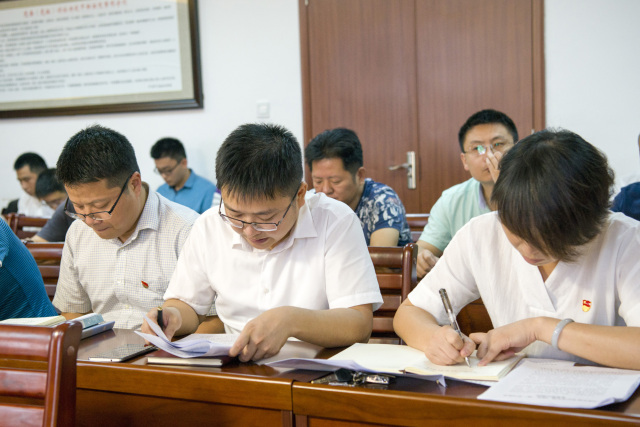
(250, 51)
(592, 53)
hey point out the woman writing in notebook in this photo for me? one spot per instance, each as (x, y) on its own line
(558, 273)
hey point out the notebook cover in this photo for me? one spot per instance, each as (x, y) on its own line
(162, 357)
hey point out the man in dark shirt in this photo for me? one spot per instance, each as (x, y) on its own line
(53, 193)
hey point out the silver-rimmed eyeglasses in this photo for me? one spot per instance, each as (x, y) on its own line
(258, 226)
(479, 150)
(97, 216)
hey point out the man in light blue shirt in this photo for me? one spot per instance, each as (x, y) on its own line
(483, 138)
(182, 185)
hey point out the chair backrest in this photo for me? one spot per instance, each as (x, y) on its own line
(18, 222)
(37, 394)
(417, 222)
(396, 273)
(474, 318)
(47, 256)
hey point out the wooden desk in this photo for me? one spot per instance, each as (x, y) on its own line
(414, 402)
(130, 394)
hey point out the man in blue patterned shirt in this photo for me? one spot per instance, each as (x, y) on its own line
(335, 160)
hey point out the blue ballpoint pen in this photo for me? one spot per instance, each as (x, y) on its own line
(452, 317)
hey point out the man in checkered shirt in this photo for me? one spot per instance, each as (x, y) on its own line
(118, 259)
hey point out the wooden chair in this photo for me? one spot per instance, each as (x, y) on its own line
(47, 256)
(474, 318)
(396, 272)
(417, 222)
(33, 393)
(18, 222)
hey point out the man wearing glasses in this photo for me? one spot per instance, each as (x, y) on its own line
(182, 185)
(483, 139)
(278, 263)
(118, 258)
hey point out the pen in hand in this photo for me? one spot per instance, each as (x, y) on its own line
(452, 317)
(160, 319)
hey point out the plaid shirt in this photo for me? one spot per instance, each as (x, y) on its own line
(123, 281)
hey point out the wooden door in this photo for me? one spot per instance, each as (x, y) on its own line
(405, 75)
(472, 54)
(361, 74)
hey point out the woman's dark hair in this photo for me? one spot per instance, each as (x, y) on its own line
(554, 192)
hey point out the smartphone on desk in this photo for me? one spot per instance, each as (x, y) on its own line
(122, 353)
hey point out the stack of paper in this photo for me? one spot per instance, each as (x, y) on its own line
(562, 385)
(398, 359)
(192, 345)
(35, 321)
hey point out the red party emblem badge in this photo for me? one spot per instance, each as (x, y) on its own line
(586, 305)
(145, 284)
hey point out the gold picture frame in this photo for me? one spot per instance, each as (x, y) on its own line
(65, 57)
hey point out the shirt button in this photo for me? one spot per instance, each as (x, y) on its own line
(266, 291)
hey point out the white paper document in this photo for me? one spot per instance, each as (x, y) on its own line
(564, 386)
(401, 360)
(372, 358)
(194, 345)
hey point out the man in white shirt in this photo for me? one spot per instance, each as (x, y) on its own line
(118, 258)
(28, 166)
(278, 264)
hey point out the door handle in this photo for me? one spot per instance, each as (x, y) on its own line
(411, 168)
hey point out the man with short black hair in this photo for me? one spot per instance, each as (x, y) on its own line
(49, 189)
(182, 185)
(483, 139)
(279, 263)
(118, 258)
(28, 166)
(52, 192)
(335, 160)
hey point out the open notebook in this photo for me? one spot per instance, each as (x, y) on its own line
(399, 358)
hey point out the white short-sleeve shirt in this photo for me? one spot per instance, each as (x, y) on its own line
(123, 281)
(324, 263)
(602, 287)
(33, 207)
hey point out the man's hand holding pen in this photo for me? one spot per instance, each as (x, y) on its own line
(168, 318)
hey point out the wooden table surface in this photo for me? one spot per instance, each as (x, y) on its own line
(133, 393)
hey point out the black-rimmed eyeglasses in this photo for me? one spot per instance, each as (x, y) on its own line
(258, 226)
(166, 171)
(97, 216)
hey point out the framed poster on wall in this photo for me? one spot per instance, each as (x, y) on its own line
(98, 56)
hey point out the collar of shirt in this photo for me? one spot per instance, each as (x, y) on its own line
(304, 228)
(191, 180)
(481, 201)
(149, 219)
